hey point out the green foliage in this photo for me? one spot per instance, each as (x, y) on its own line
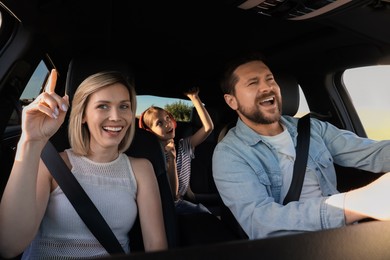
(179, 110)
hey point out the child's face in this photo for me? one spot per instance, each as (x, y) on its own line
(162, 126)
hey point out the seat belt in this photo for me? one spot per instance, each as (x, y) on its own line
(302, 151)
(80, 200)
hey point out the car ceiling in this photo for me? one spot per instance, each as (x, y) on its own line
(175, 44)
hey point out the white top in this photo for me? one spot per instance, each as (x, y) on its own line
(286, 155)
(112, 187)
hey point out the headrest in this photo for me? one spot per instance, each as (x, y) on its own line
(82, 67)
(290, 93)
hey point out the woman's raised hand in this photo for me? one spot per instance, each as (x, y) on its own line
(44, 116)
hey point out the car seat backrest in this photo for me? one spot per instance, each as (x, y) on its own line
(82, 67)
(202, 183)
(203, 151)
(290, 93)
(144, 145)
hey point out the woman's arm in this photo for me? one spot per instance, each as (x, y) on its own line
(207, 123)
(24, 200)
(149, 206)
(27, 192)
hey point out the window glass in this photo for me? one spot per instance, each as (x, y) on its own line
(35, 84)
(179, 108)
(369, 88)
(303, 108)
(31, 91)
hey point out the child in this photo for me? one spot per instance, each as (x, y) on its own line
(162, 124)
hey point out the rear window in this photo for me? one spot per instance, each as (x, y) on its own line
(179, 108)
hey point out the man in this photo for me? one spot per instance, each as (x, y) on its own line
(253, 164)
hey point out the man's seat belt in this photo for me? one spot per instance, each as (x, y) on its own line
(302, 152)
(80, 200)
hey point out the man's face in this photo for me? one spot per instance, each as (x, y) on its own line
(257, 97)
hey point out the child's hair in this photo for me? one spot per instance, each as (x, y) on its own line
(146, 118)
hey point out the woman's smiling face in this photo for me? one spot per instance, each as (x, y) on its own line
(108, 116)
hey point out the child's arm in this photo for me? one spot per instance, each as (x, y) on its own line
(172, 168)
(207, 123)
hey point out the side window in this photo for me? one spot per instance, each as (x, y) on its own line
(303, 108)
(180, 108)
(369, 89)
(32, 90)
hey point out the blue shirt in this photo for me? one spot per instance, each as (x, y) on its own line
(248, 177)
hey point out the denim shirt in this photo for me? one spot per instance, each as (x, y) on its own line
(248, 177)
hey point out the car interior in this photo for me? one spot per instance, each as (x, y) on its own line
(166, 47)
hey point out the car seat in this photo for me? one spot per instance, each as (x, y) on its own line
(202, 188)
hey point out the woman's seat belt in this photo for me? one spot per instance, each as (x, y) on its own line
(80, 200)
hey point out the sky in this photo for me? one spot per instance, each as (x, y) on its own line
(372, 104)
(145, 101)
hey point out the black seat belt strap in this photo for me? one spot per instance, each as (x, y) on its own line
(80, 200)
(302, 152)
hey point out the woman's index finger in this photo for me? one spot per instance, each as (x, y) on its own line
(51, 81)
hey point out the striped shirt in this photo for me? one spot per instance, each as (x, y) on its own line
(184, 155)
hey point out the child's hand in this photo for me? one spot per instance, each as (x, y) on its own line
(170, 149)
(192, 92)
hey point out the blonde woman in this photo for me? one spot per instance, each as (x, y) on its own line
(35, 215)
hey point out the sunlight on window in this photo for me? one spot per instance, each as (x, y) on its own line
(145, 101)
(369, 88)
(303, 108)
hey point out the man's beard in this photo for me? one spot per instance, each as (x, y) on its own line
(257, 116)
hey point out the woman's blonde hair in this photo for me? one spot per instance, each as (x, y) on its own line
(79, 135)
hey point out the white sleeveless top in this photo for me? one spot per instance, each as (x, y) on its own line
(112, 187)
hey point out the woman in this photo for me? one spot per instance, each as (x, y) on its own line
(35, 215)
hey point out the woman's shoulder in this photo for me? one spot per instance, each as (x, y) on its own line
(137, 160)
(140, 165)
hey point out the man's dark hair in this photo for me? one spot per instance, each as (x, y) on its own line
(229, 80)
